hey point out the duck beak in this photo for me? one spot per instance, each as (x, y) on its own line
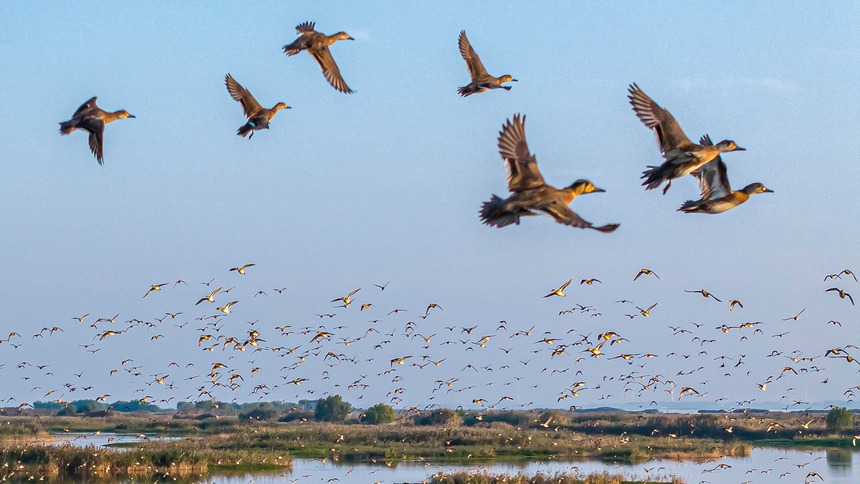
(349, 38)
(514, 80)
(598, 190)
(132, 116)
(768, 190)
(740, 149)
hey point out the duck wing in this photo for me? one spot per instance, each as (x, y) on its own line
(473, 62)
(670, 136)
(564, 215)
(713, 177)
(521, 166)
(87, 106)
(330, 70)
(96, 128)
(245, 98)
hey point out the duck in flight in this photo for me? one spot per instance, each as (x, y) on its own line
(682, 155)
(317, 46)
(481, 80)
(530, 193)
(93, 119)
(258, 116)
(717, 195)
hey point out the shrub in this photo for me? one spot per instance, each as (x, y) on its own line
(379, 414)
(332, 409)
(839, 419)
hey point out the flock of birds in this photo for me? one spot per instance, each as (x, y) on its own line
(530, 193)
(363, 344)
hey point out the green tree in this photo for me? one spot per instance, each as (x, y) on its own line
(379, 414)
(332, 409)
(839, 419)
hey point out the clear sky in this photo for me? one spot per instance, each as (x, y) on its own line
(348, 191)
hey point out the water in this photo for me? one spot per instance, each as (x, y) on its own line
(763, 465)
(102, 439)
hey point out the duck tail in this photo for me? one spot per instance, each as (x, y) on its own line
(244, 130)
(690, 206)
(653, 176)
(494, 214)
(67, 127)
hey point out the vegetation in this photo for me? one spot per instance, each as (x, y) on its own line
(332, 409)
(540, 478)
(378, 414)
(839, 419)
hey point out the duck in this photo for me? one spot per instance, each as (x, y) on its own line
(717, 195)
(317, 46)
(682, 155)
(258, 116)
(481, 80)
(530, 193)
(93, 119)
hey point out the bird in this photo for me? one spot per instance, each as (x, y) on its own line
(154, 287)
(93, 119)
(210, 297)
(705, 294)
(530, 193)
(226, 308)
(646, 272)
(842, 294)
(258, 116)
(717, 195)
(682, 155)
(646, 312)
(560, 291)
(317, 46)
(241, 270)
(347, 300)
(481, 80)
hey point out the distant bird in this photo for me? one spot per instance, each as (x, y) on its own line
(717, 195)
(210, 297)
(258, 116)
(241, 270)
(317, 46)
(347, 300)
(849, 273)
(842, 294)
(705, 294)
(155, 287)
(93, 119)
(481, 80)
(646, 272)
(733, 303)
(560, 291)
(530, 193)
(589, 281)
(796, 316)
(646, 312)
(682, 155)
(226, 308)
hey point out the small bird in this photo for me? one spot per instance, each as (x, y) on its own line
(530, 193)
(317, 46)
(346, 300)
(481, 80)
(154, 287)
(733, 303)
(842, 294)
(210, 297)
(646, 272)
(241, 270)
(682, 155)
(226, 308)
(560, 291)
(646, 312)
(258, 116)
(717, 195)
(704, 294)
(93, 119)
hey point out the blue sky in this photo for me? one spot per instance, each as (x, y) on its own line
(348, 191)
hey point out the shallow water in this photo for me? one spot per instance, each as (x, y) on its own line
(763, 465)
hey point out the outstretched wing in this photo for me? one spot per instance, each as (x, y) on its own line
(473, 62)
(330, 70)
(245, 98)
(96, 127)
(713, 179)
(87, 106)
(521, 166)
(564, 215)
(670, 136)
